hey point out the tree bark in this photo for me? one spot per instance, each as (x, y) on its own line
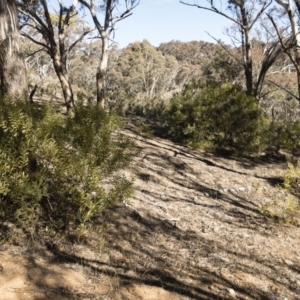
(12, 65)
(289, 8)
(248, 63)
(272, 53)
(32, 94)
(245, 15)
(105, 29)
(102, 70)
(64, 80)
(296, 48)
(54, 39)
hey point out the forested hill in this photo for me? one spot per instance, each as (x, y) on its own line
(194, 52)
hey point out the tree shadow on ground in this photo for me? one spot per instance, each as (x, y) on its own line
(213, 258)
(153, 252)
(160, 129)
(211, 159)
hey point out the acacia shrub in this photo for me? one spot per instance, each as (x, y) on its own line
(59, 171)
(292, 178)
(218, 116)
(286, 135)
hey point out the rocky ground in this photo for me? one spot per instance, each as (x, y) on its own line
(199, 226)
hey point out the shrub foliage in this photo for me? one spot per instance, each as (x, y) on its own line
(59, 171)
(219, 117)
(286, 135)
(292, 178)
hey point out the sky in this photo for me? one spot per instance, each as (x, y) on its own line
(161, 21)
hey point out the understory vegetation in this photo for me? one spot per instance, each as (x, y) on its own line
(144, 170)
(220, 117)
(58, 171)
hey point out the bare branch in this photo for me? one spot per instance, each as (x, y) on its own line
(47, 16)
(284, 89)
(284, 44)
(264, 7)
(79, 39)
(35, 41)
(213, 9)
(224, 48)
(35, 52)
(33, 16)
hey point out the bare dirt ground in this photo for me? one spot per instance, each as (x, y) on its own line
(196, 228)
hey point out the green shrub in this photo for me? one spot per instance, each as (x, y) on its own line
(152, 109)
(59, 171)
(292, 178)
(286, 136)
(218, 117)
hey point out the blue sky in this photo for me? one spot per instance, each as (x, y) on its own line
(161, 21)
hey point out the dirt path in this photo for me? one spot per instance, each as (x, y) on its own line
(193, 230)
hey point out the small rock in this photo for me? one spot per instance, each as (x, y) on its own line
(216, 229)
(224, 259)
(288, 262)
(268, 200)
(184, 250)
(241, 189)
(192, 177)
(105, 257)
(231, 293)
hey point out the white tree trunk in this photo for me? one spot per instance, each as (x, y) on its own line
(102, 70)
(12, 65)
(289, 8)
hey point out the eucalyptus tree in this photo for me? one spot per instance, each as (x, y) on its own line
(145, 72)
(290, 38)
(245, 14)
(12, 67)
(52, 33)
(113, 12)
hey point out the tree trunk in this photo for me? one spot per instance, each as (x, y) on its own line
(296, 48)
(269, 59)
(12, 66)
(248, 64)
(289, 8)
(64, 82)
(102, 71)
(32, 94)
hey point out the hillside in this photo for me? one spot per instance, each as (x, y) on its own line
(195, 229)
